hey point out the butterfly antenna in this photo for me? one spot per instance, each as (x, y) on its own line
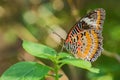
(59, 37)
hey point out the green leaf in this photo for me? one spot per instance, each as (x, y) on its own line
(94, 70)
(77, 63)
(25, 71)
(39, 50)
(81, 64)
(65, 55)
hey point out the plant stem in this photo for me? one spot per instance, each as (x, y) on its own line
(56, 73)
(56, 69)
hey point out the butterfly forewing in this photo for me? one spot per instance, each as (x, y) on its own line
(84, 40)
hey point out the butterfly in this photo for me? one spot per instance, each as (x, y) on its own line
(84, 39)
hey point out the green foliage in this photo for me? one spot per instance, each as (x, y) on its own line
(35, 71)
(25, 71)
(39, 50)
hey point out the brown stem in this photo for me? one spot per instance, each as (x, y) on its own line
(113, 55)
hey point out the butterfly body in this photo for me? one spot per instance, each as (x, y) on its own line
(84, 40)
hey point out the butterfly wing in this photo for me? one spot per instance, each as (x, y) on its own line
(84, 40)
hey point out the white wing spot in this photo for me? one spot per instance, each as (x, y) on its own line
(89, 21)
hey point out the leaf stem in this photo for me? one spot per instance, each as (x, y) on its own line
(56, 69)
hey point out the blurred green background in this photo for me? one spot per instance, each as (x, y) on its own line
(32, 19)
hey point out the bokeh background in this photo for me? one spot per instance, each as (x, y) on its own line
(33, 20)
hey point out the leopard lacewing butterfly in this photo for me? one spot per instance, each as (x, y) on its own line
(84, 40)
